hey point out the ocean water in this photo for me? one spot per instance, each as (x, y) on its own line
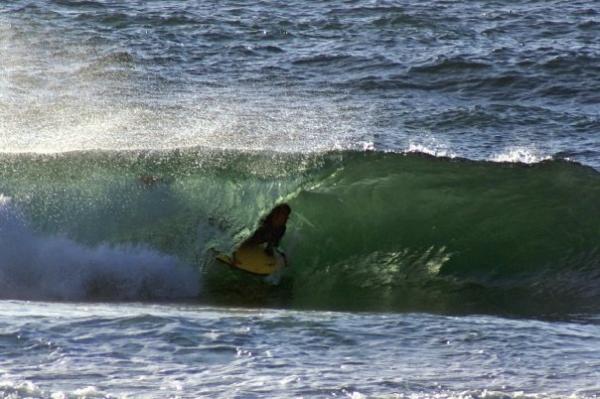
(442, 162)
(54, 350)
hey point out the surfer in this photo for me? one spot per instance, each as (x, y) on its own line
(271, 230)
(253, 256)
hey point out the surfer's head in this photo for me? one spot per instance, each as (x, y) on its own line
(279, 215)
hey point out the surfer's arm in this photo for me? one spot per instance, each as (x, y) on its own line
(274, 237)
(270, 236)
(260, 236)
(277, 236)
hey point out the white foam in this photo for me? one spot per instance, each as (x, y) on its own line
(88, 392)
(34, 266)
(13, 388)
(523, 155)
(22, 389)
(432, 146)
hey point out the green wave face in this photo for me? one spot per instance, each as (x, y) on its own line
(370, 231)
(418, 232)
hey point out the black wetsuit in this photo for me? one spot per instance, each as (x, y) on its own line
(272, 228)
(267, 234)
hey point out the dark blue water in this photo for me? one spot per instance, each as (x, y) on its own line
(486, 80)
(231, 107)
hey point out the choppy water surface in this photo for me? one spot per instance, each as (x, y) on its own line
(141, 350)
(439, 156)
(494, 80)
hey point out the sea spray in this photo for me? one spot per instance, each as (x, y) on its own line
(38, 266)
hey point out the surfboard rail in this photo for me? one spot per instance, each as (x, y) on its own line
(254, 260)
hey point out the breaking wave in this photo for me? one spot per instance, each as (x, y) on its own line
(35, 266)
(369, 230)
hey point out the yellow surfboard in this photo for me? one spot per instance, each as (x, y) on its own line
(254, 259)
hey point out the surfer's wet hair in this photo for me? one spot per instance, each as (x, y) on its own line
(281, 208)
